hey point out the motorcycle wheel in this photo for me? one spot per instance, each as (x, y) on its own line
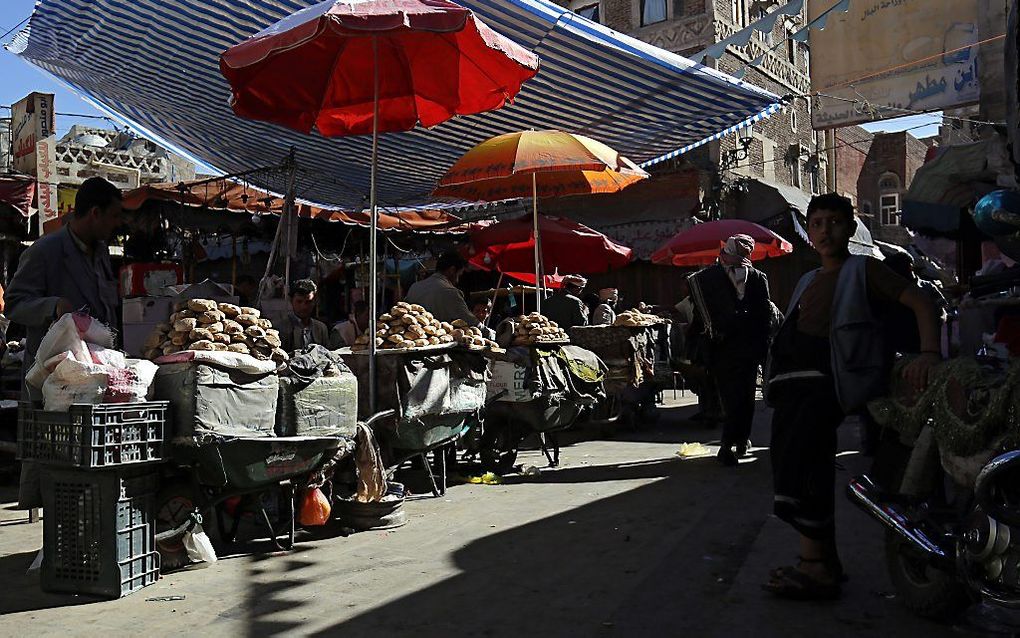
(923, 589)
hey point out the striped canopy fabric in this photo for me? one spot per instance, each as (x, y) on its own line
(154, 66)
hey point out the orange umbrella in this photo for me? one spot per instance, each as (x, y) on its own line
(537, 164)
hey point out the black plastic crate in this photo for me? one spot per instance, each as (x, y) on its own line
(99, 531)
(94, 436)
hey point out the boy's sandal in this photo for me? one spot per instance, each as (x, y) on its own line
(796, 585)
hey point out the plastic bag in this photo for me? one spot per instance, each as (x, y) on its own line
(198, 545)
(73, 381)
(315, 508)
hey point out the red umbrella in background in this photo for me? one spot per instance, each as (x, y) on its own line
(353, 67)
(700, 245)
(567, 246)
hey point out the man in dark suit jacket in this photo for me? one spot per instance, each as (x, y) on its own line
(733, 307)
(66, 271)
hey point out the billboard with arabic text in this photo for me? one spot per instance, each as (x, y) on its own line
(32, 120)
(910, 55)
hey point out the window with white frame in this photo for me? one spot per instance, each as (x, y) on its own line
(590, 11)
(652, 11)
(889, 209)
(889, 199)
(791, 50)
(795, 171)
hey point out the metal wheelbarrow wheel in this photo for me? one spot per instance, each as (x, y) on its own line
(174, 504)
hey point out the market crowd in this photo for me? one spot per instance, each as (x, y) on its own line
(818, 360)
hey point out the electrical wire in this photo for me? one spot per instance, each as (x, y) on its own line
(15, 28)
(827, 149)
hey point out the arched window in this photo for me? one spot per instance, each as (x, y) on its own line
(889, 199)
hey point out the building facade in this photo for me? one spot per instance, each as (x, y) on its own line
(123, 159)
(782, 149)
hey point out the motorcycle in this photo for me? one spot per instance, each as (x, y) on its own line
(952, 523)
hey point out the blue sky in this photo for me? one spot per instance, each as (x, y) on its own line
(20, 78)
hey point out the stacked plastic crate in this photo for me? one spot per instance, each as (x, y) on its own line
(99, 483)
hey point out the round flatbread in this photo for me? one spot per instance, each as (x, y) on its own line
(199, 334)
(201, 305)
(185, 325)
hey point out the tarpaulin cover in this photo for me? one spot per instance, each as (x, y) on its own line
(426, 390)
(155, 66)
(239, 198)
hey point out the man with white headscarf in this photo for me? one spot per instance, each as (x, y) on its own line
(733, 314)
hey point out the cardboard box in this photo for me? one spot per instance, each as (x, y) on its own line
(146, 310)
(510, 377)
(134, 337)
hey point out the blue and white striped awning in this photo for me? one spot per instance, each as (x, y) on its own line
(154, 66)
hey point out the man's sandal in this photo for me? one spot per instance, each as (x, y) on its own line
(796, 585)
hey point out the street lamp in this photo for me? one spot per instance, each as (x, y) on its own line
(734, 156)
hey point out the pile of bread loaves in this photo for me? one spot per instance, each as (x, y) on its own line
(636, 318)
(471, 337)
(203, 324)
(538, 329)
(407, 326)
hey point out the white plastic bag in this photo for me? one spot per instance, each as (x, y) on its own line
(71, 333)
(198, 545)
(73, 381)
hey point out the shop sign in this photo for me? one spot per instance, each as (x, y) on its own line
(46, 177)
(910, 55)
(32, 120)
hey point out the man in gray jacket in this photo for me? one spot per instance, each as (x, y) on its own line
(63, 272)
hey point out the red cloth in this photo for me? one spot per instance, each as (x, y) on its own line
(315, 68)
(18, 192)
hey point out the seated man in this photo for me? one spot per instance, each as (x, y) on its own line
(565, 306)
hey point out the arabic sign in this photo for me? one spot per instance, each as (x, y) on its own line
(905, 54)
(32, 120)
(46, 177)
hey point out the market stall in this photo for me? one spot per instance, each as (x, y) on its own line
(539, 386)
(432, 375)
(636, 350)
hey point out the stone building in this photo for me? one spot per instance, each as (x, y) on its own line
(125, 160)
(760, 174)
(782, 150)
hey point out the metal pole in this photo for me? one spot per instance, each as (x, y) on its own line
(289, 216)
(538, 244)
(373, 302)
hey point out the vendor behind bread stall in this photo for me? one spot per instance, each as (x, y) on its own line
(63, 272)
(439, 293)
(302, 329)
(565, 306)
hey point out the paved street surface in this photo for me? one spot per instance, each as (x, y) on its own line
(625, 539)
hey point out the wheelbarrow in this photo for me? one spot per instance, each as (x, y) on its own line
(203, 476)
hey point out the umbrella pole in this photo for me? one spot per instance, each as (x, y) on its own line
(373, 305)
(539, 283)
